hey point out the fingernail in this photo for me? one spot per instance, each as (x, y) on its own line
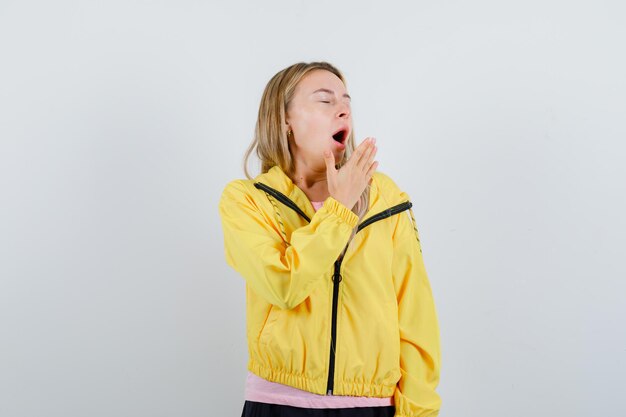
(373, 140)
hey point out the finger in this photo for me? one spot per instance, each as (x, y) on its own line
(329, 159)
(365, 142)
(371, 170)
(367, 157)
(361, 151)
(363, 146)
(371, 155)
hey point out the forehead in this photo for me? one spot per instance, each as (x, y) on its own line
(320, 79)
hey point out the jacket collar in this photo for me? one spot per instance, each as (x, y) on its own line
(277, 179)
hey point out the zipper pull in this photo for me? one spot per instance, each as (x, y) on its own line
(337, 275)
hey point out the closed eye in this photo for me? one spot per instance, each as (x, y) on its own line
(324, 101)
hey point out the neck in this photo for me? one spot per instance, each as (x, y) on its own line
(312, 182)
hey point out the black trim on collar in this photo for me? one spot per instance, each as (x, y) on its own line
(289, 203)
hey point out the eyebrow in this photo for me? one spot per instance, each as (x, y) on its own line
(326, 90)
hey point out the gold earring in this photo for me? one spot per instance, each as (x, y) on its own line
(289, 133)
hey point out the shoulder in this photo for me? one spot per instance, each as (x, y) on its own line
(394, 194)
(232, 188)
(237, 191)
(240, 200)
(383, 179)
(388, 187)
(236, 184)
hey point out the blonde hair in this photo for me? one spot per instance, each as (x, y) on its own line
(270, 136)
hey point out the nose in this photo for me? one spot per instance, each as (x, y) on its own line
(344, 111)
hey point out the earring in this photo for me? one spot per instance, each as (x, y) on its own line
(289, 133)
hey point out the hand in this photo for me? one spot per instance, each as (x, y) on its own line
(347, 183)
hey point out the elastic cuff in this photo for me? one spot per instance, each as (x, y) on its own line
(341, 210)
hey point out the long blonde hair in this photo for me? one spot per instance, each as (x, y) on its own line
(270, 136)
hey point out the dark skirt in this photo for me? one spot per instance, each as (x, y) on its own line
(257, 409)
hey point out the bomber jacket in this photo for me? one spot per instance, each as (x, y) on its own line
(363, 323)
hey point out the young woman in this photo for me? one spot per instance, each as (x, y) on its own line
(340, 315)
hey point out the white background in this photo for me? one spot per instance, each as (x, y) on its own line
(121, 121)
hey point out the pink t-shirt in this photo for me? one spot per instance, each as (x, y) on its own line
(317, 204)
(264, 391)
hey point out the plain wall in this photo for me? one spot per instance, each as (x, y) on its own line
(120, 123)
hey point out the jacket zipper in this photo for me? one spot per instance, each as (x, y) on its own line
(336, 277)
(333, 330)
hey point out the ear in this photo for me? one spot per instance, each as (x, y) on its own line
(287, 129)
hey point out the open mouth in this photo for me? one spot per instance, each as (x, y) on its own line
(340, 136)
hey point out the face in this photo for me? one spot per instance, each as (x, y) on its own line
(320, 108)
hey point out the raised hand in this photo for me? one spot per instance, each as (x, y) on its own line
(347, 183)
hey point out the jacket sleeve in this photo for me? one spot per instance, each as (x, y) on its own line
(420, 355)
(283, 274)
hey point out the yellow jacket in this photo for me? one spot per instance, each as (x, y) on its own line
(363, 324)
